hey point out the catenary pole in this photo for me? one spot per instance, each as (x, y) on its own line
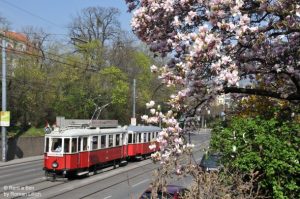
(133, 108)
(3, 128)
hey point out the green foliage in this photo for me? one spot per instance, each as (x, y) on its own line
(119, 93)
(51, 81)
(270, 147)
(25, 132)
(34, 132)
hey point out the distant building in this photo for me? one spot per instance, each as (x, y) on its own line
(16, 45)
(223, 99)
(16, 41)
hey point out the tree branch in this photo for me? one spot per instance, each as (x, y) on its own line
(261, 92)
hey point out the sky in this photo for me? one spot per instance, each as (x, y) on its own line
(54, 15)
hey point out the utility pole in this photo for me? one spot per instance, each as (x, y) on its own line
(3, 128)
(133, 119)
(133, 108)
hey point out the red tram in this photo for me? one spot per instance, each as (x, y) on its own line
(80, 150)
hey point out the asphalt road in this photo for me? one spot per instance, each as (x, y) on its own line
(27, 180)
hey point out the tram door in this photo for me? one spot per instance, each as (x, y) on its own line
(83, 158)
(79, 150)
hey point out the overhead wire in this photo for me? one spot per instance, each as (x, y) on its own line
(32, 14)
(40, 56)
(37, 16)
(31, 46)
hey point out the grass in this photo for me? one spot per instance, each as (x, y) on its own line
(34, 132)
(31, 132)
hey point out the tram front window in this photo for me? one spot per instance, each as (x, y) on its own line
(56, 145)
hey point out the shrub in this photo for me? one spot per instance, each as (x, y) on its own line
(267, 147)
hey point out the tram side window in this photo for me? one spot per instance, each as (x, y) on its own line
(139, 137)
(103, 141)
(74, 145)
(129, 138)
(152, 133)
(144, 137)
(56, 145)
(134, 137)
(84, 144)
(47, 145)
(110, 140)
(149, 137)
(95, 142)
(79, 144)
(67, 145)
(117, 139)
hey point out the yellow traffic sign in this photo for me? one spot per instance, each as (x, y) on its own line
(5, 118)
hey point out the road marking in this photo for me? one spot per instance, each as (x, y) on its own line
(107, 197)
(146, 180)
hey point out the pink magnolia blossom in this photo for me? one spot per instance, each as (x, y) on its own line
(212, 45)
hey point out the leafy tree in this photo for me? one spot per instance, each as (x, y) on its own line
(93, 54)
(267, 147)
(70, 86)
(28, 93)
(113, 87)
(95, 23)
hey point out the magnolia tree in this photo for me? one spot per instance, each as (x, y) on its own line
(215, 44)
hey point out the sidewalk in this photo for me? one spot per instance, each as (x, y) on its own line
(21, 160)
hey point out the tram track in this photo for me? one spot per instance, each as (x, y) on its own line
(132, 177)
(42, 186)
(109, 186)
(125, 180)
(116, 183)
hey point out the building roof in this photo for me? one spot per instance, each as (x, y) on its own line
(16, 36)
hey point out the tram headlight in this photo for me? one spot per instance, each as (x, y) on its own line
(54, 165)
